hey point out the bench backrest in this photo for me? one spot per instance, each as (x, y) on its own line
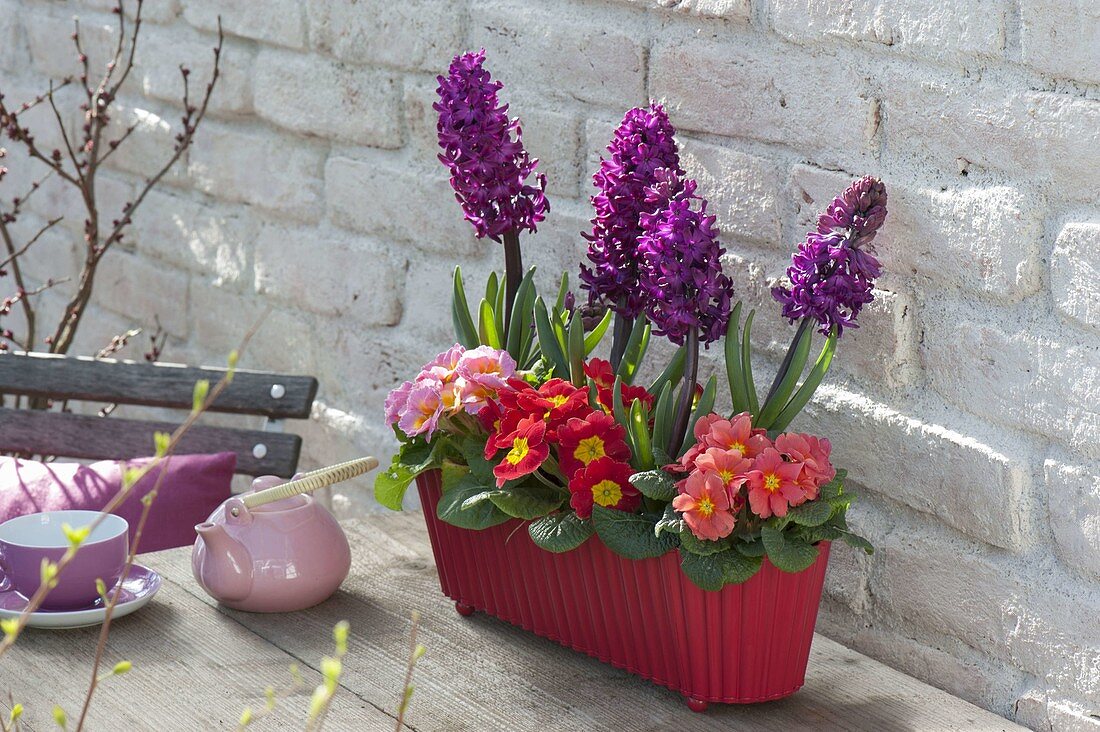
(65, 378)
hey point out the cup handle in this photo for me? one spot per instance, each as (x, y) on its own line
(5, 582)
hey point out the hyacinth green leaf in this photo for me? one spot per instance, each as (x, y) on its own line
(630, 535)
(703, 547)
(465, 331)
(712, 572)
(527, 500)
(594, 396)
(672, 373)
(617, 409)
(639, 434)
(575, 349)
(670, 522)
(491, 286)
(809, 386)
(655, 484)
(596, 334)
(746, 366)
(563, 292)
(560, 532)
(551, 347)
(481, 515)
(527, 329)
(498, 312)
(703, 407)
(662, 416)
(786, 552)
(787, 383)
(635, 350)
(811, 513)
(734, 374)
(487, 326)
(516, 331)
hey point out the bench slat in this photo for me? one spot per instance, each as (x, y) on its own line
(110, 438)
(151, 385)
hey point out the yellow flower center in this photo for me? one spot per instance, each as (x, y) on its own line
(706, 506)
(589, 449)
(726, 476)
(519, 450)
(607, 493)
(740, 447)
(558, 400)
(771, 482)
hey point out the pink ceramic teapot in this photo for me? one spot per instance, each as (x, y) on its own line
(273, 549)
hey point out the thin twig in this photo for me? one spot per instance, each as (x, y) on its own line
(64, 134)
(415, 652)
(22, 250)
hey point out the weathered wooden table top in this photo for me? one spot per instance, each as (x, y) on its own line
(196, 666)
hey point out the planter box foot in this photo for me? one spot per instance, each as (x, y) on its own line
(696, 705)
(464, 610)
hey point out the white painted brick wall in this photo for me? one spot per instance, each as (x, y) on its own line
(965, 408)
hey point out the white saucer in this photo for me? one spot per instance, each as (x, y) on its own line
(139, 587)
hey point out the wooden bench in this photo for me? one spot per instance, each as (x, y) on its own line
(64, 379)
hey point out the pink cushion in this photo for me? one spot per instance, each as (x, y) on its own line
(194, 486)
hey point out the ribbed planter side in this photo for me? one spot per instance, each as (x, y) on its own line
(747, 643)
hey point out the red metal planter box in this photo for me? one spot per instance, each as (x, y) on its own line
(747, 643)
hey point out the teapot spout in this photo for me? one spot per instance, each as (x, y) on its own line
(225, 569)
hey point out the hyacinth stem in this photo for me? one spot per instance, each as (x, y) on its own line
(783, 367)
(624, 325)
(513, 273)
(687, 395)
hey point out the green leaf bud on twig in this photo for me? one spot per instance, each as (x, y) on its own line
(198, 398)
(76, 537)
(161, 440)
(340, 635)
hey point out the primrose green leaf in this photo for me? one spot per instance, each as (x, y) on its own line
(630, 535)
(655, 484)
(857, 541)
(670, 522)
(528, 500)
(712, 572)
(480, 516)
(703, 547)
(786, 552)
(811, 513)
(560, 532)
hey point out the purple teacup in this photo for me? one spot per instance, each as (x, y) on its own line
(26, 540)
